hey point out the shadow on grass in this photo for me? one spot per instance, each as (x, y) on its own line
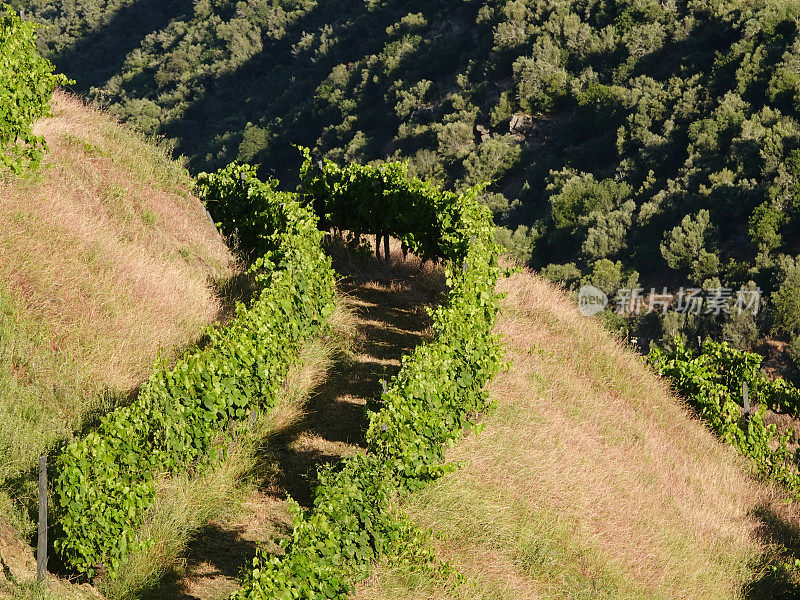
(388, 303)
(231, 291)
(218, 551)
(777, 578)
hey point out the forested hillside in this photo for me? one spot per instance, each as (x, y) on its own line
(631, 142)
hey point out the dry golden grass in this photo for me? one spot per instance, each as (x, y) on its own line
(108, 247)
(590, 481)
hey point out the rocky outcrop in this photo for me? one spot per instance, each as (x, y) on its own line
(521, 125)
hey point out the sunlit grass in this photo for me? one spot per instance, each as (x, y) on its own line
(591, 480)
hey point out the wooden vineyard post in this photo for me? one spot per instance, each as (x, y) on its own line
(746, 402)
(377, 246)
(41, 545)
(386, 254)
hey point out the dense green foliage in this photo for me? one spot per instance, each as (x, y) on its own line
(105, 481)
(661, 134)
(437, 394)
(711, 379)
(26, 85)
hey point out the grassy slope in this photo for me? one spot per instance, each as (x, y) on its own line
(590, 481)
(106, 260)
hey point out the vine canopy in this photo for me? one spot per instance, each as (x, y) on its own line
(27, 82)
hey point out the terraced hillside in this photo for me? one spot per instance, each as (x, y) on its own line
(591, 479)
(107, 260)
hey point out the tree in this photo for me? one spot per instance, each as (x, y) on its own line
(683, 248)
(566, 275)
(608, 235)
(492, 159)
(765, 227)
(611, 276)
(255, 140)
(575, 197)
(786, 304)
(542, 81)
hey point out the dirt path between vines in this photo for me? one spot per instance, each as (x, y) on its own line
(388, 306)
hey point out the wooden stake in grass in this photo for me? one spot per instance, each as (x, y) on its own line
(386, 254)
(41, 546)
(746, 402)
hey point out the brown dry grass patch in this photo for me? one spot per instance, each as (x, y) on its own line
(591, 480)
(108, 248)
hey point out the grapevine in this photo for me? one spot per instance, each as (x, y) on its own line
(27, 82)
(711, 379)
(105, 481)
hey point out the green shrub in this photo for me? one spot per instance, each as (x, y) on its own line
(786, 304)
(541, 79)
(794, 351)
(684, 247)
(608, 235)
(518, 243)
(711, 380)
(740, 330)
(765, 227)
(575, 197)
(611, 276)
(567, 275)
(492, 159)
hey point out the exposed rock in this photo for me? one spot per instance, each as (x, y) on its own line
(520, 124)
(482, 132)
